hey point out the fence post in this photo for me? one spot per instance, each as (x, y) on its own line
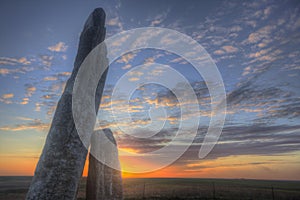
(144, 188)
(214, 191)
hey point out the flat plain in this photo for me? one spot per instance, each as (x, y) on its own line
(15, 188)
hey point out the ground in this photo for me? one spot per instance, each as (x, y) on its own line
(15, 188)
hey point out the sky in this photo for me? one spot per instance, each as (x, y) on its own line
(254, 44)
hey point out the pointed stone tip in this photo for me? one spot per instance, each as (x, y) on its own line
(96, 18)
(98, 15)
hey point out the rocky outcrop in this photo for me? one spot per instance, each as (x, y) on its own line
(103, 181)
(61, 163)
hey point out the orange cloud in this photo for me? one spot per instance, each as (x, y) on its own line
(8, 96)
(24, 101)
(126, 66)
(4, 71)
(230, 49)
(126, 58)
(226, 49)
(34, 125)
(50, 78)
(133, 79)
(14, 61)
(59, 47)
(30, 90)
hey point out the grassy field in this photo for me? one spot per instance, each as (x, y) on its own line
(14, 188)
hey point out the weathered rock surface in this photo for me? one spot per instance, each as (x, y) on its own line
(104, 182)
(61, 163)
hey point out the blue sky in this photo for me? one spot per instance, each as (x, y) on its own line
(254, 44)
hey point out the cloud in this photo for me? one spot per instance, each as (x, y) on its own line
(236, 28)
(288, 108)
(247, 70)
(38, 107)
(119, 41)
(50, 78)
(149, 60)
(115, 22)
(49, 105)
(6, 101)
(24, 101)
(47, 60)
(60, 76)
(262, 33)
(4, 71)
(126, 58)
(158, 19)
(248, 93)
(47, 96)
(22, 70)
(59, 47)
(265, 55)
(8, 96)
(270, 101)
(141, 145)
(251, 140)
(64, 74)
(35, 124)
(30, 90)
(133, 79)
(199, 166)
(127, 66)
(25, 118)
(135, 73)
(251, 23)
(152, 96)
(51, 93)
(264, 99)
(267, 12)
(177, 60)
(226, 49)
(257, 140)
(230, 49)
(219, 52)
(14, 61)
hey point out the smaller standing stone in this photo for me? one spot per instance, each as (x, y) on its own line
(104, 182)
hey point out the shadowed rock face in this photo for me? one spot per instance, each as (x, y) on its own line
(104, 182)
(60, 167)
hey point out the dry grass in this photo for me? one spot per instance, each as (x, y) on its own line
(14, 188)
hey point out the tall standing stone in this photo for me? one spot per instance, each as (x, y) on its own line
(103, 181)
(61, 163)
